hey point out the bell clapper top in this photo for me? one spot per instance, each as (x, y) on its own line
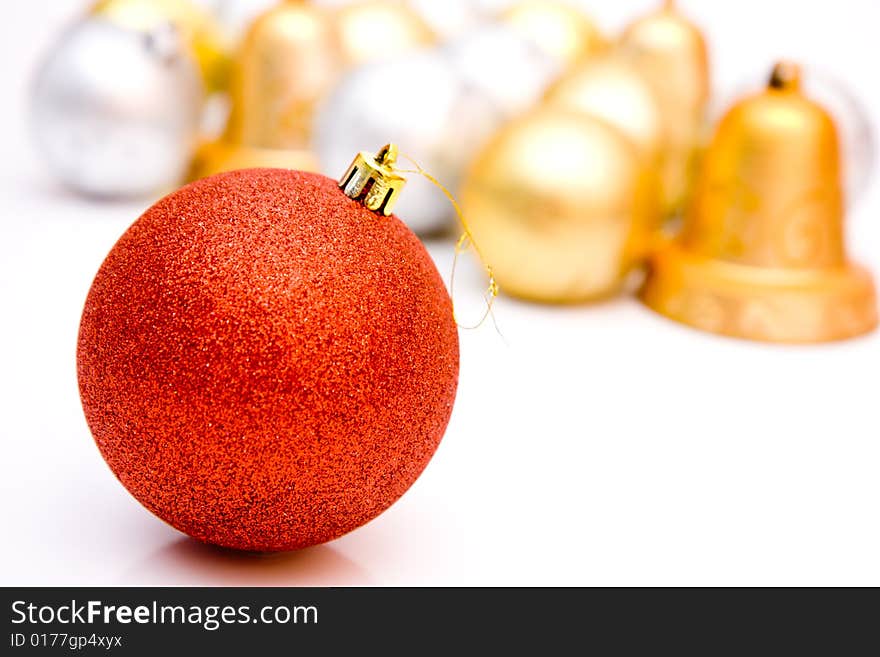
(785, 75)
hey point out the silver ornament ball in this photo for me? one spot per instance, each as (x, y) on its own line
(414, 107)
(115, 112)
(505, 68)
(439, 106)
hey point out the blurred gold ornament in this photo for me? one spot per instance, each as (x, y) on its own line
(610, 88)
(561, 205)
(557, 28)
(762, 255)
(198, 28)
(379, 29)
(219, 156)
(671, 52)
(290, 58)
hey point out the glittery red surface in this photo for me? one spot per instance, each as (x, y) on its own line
(264, 363)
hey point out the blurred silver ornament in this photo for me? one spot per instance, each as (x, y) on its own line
(502, 66)
(115, 112)
(439, 106)
(858, 137)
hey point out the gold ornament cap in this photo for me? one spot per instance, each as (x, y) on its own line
(373, 181)
(762, 251)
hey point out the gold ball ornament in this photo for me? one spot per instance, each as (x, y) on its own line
(371, 30)
(610, 88)
(671, 52)
(561, 204)
(559, 29)
(762, 252)
(200, 31)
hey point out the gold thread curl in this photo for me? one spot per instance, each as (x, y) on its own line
(464, 242)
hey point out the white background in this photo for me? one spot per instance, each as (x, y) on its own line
(594, 445)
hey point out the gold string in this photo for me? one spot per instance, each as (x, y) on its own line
(464, 242)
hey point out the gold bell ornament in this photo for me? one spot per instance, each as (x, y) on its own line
(562, 204)
(671, 52)
(287, 60)
(290, 58)
(855, 126)
(761, 255)
(559, 29)
(200, 31)
(610, 88)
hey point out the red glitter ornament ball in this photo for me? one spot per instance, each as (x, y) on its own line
(264, 363)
